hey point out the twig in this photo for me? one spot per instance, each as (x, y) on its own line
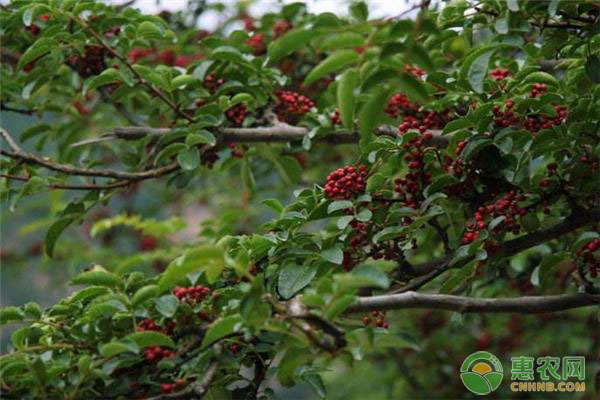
(4, 107)
(71, 187)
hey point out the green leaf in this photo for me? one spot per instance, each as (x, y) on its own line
(10, 314)
(189, 159)
(227, 53)
(343, 222)
(335, 61)
(334, 255)
(109, 75)
(290, 42)
(200, 136)
(112, 349)
(478, 70)
(149, 31)
(33, 310)
(316, 383)
(33, 131)
(98, 276)
(370, 115)
(150, 338)
(166, 305)
(343, 40)
(248, 178)
(274, 204)
(592, 68)
(413, 87)
(54, 232)
(541, 77)
(193, 260)
(365, 215)
(169, 151)
(221, 328)
(293, 278)
(345, 96)
(501, 25)
(39, 48)
(552, 7)
(373, 274)
(420, 56)
(84, 363)
(338, 306)
(142, 294)
(359, 11)
(339, 205)
(183, 80)
(513, 5)
(530, 222)
(459, 277)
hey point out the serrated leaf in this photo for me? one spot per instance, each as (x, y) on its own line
(335, 61)
(293, 278)
(98, 276)
(221, 328)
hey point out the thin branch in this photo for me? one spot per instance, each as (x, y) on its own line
(71, 187)
(19, 154)
(463, 304)
(4, 107)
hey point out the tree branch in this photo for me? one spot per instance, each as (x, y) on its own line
(19, 154)
(462, 304)
(114, 185)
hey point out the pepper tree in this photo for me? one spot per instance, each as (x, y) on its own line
(425, 157)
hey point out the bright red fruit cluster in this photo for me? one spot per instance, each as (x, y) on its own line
(399, 104)
(149, 325)
(506, 118)
(292, 103)
(507, 207)
(194, 294)
(410, 187)
(416, 71)
(90, 63)
(378, 317)
(499, 74)
(211, 82)
(237, 114)
(157, 353)
(335, 117)
(257, 42)
(346, 182)
(587, 252)
(538, 89)
(280, 27)
(536, 122)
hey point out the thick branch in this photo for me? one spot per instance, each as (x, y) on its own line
(527, 304)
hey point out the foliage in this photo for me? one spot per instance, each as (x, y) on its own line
(465, 145)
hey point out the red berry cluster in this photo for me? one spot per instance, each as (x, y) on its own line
(507, 207)
(149, 325)
(248, 23)
(587, 252)
(346, 182)
(194, 294)
(257, 42)
(378, 318)
(506, 118)
(211, 82)
(410, 187)
(234, 347)
(335, 117)
(456, 166)
(91, 63)
(538, 89)
(139, 53)
(416, 71)
(349, 262)
(236, 150)
(359, 234)
(499, 74)
(170, 387)
(157, 353)
(33, 29)
(399, 104)
(148, 243)
(292, 103)
(535, 123)
(280, 27)
(237, 114)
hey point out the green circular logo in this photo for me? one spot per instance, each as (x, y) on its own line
(481, 372)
